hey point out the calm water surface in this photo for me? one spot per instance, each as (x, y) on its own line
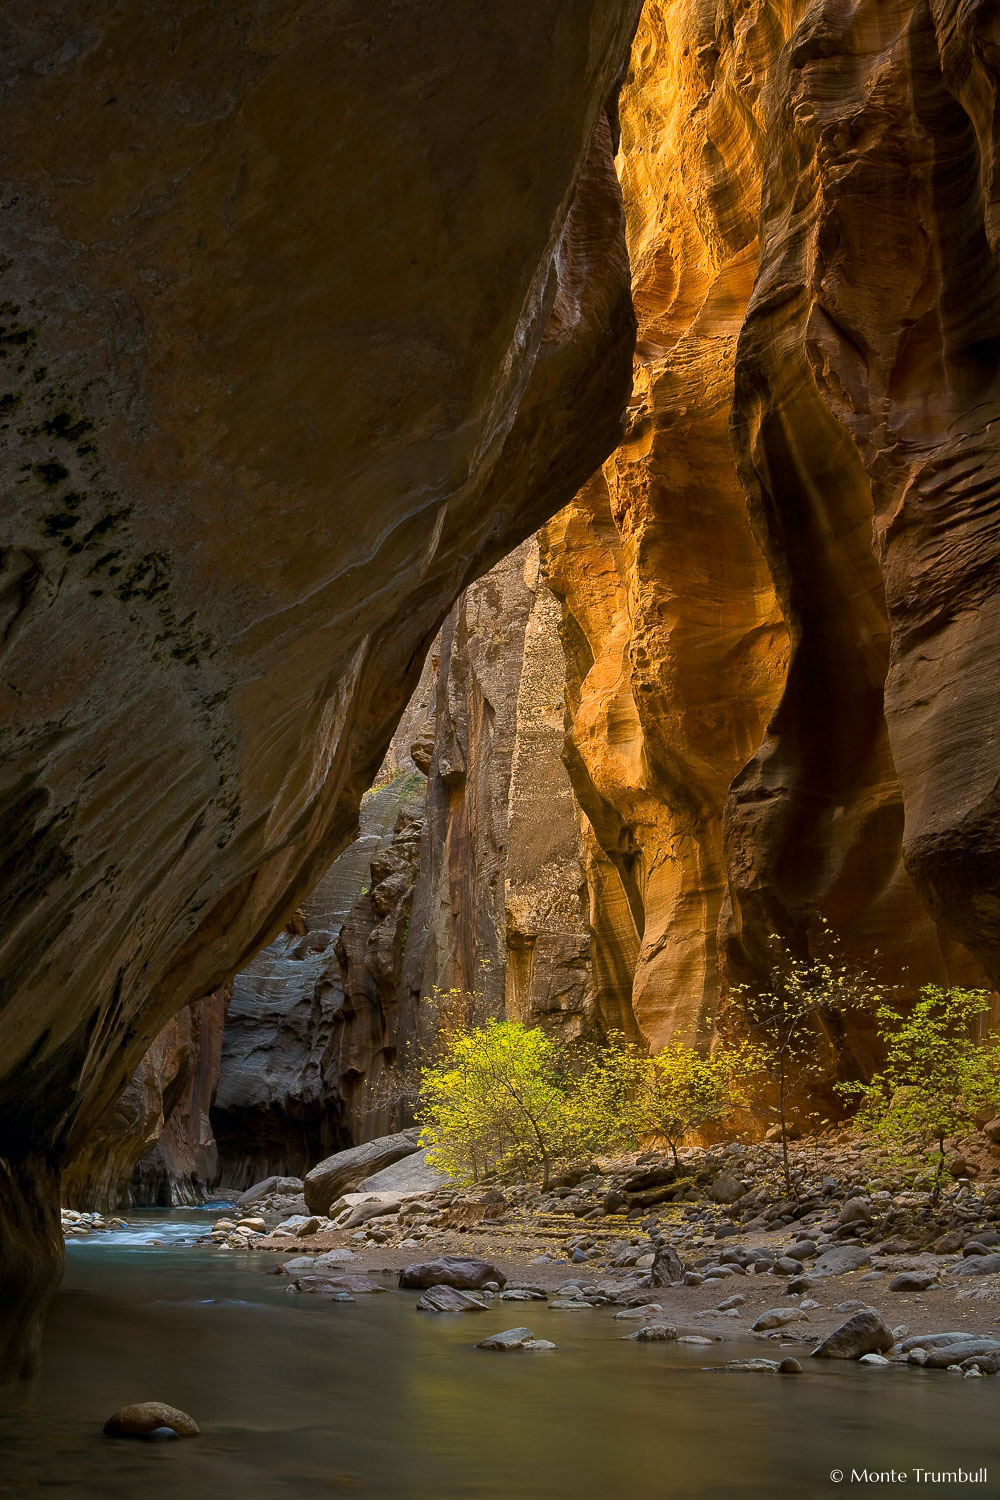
(299, 1396)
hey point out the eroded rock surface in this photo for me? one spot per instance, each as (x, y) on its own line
(308, 318)
(780, 595)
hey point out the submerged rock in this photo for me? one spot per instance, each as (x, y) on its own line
(510, 1338)
(146, 1419)
(447, 1299)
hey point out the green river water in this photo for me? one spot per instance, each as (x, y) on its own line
(298, 1396)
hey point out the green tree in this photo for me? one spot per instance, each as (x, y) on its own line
(494, 1103)
(935, 1078)
(603, 1087)
(683, 1092)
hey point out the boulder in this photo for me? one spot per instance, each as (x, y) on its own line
(928, 1341)
(147, 1418)
(839, 1259)
(912, 1281)
(865, 1333)
(667, 1268)
(855, 1211)
(356, 1285)
(346, 1169)
(966, 1348)
(654, 1333)
(991, 1130)
(408, 1178)
(448, 1299)
(949, 1243)
(977, 1265)
(727, 1187)
(462, 1272)
(270, 1187)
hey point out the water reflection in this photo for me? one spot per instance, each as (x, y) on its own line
(296, 1392)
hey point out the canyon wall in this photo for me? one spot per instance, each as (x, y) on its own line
(309, 316)
(155, 1145)
(779, 597)
(466, 887)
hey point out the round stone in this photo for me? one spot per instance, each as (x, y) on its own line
(148, 1418)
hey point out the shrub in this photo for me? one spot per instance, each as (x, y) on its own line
(683, 1092)
(935, 1078)
(790, 1027)
(493, 1104)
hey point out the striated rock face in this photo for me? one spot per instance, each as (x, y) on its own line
(467, 875)
(280, 1105)
(308, 317)
(780, 597)
(155, 1146)
(499, 908)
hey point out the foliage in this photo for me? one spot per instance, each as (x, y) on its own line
(935, 1078)
(494, 1103)
(682, 1091)
(602, 1092)
(507, 1100)
(794, 1021)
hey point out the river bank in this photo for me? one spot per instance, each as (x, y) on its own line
(849, 1236)
(297, 1393)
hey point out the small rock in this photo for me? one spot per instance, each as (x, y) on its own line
(638, 1314)
(448, 1299)
(776, 1317)
(785, 1266)
(510, 1338)
(873, 1359)
(656, 1333)
(733, 1302)
(538, 1344)
(949, 1243)
(855, 1211)
(148, 1417)
(692, 1338)
(790, 1367)
(917, 1357)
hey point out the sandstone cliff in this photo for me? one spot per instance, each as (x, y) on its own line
(155, 1146)
(467, 876)
(309, 316)
(776, 590)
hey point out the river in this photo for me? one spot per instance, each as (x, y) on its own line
(299, 1396)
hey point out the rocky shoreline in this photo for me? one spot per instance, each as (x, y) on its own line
(709, 1249)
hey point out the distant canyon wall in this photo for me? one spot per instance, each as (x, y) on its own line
(467, 882)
